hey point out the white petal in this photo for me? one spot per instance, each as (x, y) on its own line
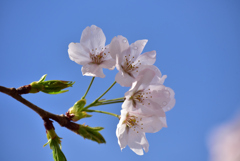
(109, 64)
(78, 53)
(145, 143)
(152, 124)
(92, 70)
(162, 79)
(152, 109)
(118, 62)
(124, 79)
(163, 121)
(157, 78)
(127, 104)
(121, 131)
(118, 45)
(144, 78)
(108, 61)
(93, 37)
(164, 96)
(136, 48)
(137, 141)
(122, 135)
(148, 58)
(172, 101)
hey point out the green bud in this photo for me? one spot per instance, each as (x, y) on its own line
(35, 87)
(55, 144)
(78, 106)
(91, 133)
(51, 86)
(75, 113)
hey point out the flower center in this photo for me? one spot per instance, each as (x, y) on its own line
(97, 57)
(140, 96)
(129, 66)
(133, 122)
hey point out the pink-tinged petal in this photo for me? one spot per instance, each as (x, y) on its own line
(93, 37)
(78, 53)
(107, 52)
(122, 135)
(118, 45)
(136, 141)
(148, 58)
(152, 124)
(122, 131)
(118, 63)
(164, 121)
(127, 105)
(157, 78)
(160, 95)
(137, 47)
(144, 78)
(161, 79)
(92, 70)
(145, 143)
(152, 109)
(109, 64)
(172, 101)
(164, 96)
(124, 79)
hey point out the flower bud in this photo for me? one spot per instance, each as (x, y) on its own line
(35, 87)
(51, 86)
(75, 113)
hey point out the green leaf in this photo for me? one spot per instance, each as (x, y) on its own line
(54, 92)
(42, 78)
(91, 133)
(56, 150)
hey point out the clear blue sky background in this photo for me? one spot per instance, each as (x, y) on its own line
(198, 47)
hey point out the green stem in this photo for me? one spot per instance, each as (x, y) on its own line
(111, 101)
(105, 91)
(88, 88)
(94, 102)
(109, 113)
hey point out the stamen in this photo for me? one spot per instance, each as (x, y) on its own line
(133, 122)
(97, 58)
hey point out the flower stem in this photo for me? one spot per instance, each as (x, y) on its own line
(96, 100)
(109, 113)
(105, 91)
(111, 101)
(88, 88)
(105, 102)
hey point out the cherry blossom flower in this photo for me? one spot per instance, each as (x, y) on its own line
(148, 95)
(224, 141)
(132, 127)
(91, 52)
(129, 62)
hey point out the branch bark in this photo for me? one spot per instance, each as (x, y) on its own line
(61, 119)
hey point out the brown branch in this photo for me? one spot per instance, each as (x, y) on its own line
(61, 119)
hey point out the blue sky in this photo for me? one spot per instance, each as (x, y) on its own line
(197, 44)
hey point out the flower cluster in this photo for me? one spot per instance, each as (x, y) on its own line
(143, 110)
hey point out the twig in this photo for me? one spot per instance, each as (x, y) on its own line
(61, 119)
